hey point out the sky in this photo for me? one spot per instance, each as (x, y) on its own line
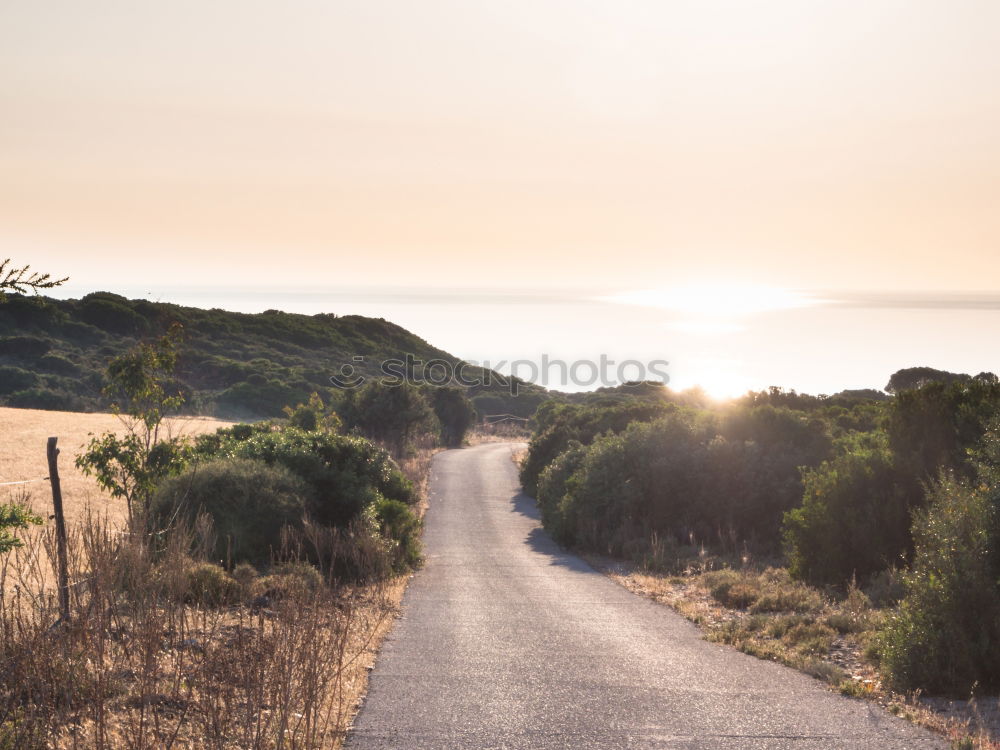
(617, 147)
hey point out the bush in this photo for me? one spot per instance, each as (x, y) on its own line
(399, 524)
(345, 474)
(945, 637)
(248, 501)
(210, 585)
(854, 519)
(15, 379)
(554, 502)
(290, 579)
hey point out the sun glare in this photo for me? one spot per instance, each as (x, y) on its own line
(717, 300)
(720, 379)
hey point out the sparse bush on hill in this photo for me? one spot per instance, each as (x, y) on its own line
(233, 365)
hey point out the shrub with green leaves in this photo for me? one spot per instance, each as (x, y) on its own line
(400, 525)
(945, 636)
(249, 502)
(344, 473)
(854, 519)
(14, 516)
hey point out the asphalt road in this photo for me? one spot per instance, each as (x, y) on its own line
(506, 641)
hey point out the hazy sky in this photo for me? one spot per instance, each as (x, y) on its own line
(621, 143)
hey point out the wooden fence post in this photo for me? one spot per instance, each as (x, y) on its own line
(62, 566)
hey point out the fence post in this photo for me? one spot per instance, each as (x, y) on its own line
(61, 564)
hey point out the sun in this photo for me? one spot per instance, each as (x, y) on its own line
(721, 378)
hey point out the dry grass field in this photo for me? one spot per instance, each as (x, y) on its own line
(23, 436)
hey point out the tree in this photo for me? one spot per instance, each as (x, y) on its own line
(911, 378)
(455, 413)
(130, 466)
(23, 280)
(390, 414)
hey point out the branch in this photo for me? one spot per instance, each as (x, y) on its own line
(23, 280)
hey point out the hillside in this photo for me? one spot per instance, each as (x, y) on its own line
(53, 354)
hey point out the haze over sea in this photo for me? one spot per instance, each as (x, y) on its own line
(726, 339)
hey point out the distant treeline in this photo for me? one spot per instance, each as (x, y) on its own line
(842, 487)
(53, 355)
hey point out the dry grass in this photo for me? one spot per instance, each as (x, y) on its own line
(767, 615)
(23, 436)
(148, 660)
(506, 432)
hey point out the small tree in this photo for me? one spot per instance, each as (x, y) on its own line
(390, 414)
(130, 466)
(455, 413)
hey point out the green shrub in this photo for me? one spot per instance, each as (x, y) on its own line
(345, 473)
(58, 364)
(945, 637)
(248, 501)
(245, 574)
(400, 525)
(854, 520)
(15, 379)
(296, 579)
(210, 585)
(732, 588)
(44, 398)
(552, 495)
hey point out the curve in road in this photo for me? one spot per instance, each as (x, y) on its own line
(507, 641)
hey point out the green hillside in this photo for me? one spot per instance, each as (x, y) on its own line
(53, 354)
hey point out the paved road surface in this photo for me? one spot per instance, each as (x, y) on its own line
(506, 641)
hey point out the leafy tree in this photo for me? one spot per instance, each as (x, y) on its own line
(911, 378)
(23, 280)
(455, 413)
(14, 516)
(933, 427)
(391, 414)
(130, 466)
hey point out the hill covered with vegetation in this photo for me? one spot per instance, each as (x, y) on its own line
(53, 355)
